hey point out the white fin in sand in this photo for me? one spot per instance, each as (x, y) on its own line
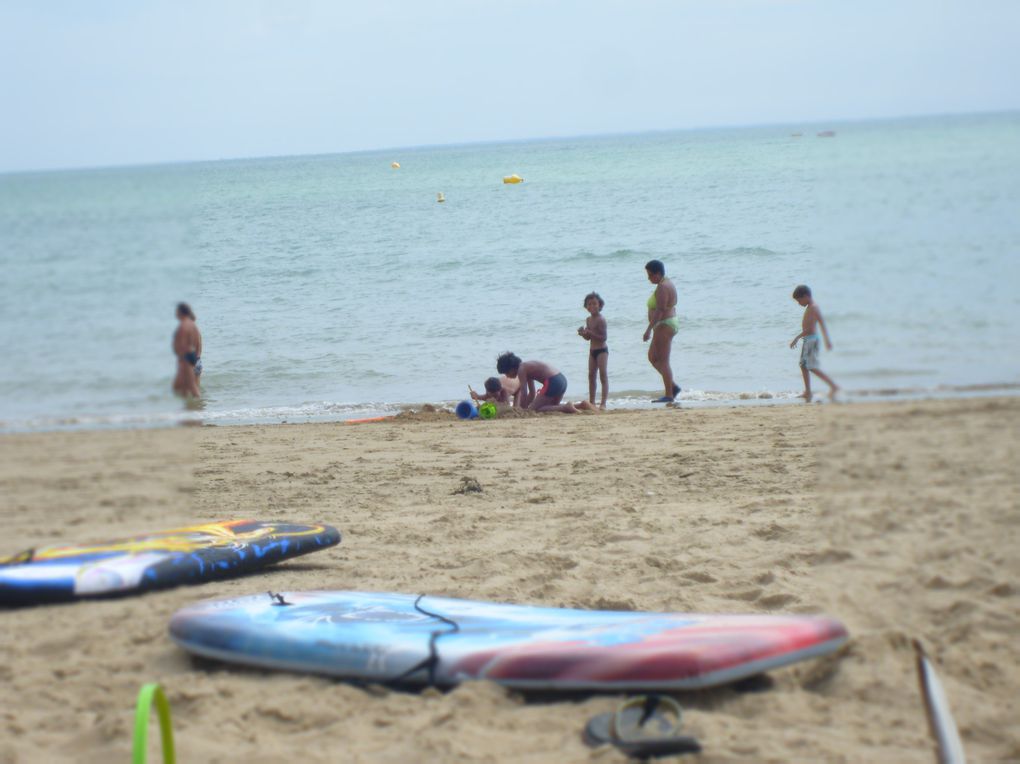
(948, 745)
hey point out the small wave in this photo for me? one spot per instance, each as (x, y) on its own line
(645, 398)
(311, 411)
(989, 388)
(447, 266)
(101, 421)
(889, 373)
(587, 256)
(332, 411)
(734, 252)
(750, 252)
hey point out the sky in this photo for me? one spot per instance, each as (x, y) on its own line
(117, 82)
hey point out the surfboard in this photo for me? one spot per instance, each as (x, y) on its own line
(381, 637)
(154, 561)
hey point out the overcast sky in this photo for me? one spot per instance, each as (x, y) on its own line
(108, 82)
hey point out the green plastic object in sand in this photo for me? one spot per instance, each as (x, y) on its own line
(149, 693)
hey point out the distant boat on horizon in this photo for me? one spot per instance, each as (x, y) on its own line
(827, 134)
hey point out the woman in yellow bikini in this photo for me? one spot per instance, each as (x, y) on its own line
(663, 324)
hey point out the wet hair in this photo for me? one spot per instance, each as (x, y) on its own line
(602, 303)
(183, 309)
(507, 362)
(655, 266)
(493, 385)
(801, 291)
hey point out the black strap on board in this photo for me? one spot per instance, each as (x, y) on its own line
(432, 661)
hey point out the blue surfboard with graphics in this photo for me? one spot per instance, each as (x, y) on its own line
(380, 637)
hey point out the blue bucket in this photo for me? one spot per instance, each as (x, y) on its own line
(467, 410)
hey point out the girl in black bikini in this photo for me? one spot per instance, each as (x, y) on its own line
(596, 330)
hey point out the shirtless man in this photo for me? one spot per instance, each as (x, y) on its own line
(187, 346)
(809, 350)
(554, 385)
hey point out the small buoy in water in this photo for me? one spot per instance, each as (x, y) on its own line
(395, 165)
(440, 198)
(515, 178)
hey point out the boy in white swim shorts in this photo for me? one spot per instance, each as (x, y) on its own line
(811, 347)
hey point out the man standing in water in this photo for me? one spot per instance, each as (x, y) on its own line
(187, 346)
(663, 324)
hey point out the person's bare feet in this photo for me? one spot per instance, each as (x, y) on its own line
(806, 396)
(832, 393)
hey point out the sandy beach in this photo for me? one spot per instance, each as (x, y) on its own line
(900, 519)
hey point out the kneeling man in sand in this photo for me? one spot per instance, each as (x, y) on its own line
(554, 385)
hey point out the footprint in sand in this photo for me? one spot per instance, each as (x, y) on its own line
(748, 595)
(777, 600)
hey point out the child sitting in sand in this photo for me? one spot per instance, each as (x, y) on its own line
(510, 385)
(554, 385)
(595, 330)
(809, 349)
(495, 391)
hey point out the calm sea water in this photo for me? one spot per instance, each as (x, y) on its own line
(330, 287)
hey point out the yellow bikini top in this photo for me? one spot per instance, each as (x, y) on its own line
(652, 302)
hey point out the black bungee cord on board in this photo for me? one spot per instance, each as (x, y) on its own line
(432, 660)
(428, 663)
(278, 599)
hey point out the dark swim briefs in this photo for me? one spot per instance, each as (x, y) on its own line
(554, 387)
(195, 361)
(598, 351)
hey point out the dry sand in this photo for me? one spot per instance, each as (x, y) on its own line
(900, 519)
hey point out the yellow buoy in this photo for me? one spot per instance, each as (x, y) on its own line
(440, 197)
(395, 165)
(515, 178)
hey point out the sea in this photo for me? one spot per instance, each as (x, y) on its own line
(336, 286)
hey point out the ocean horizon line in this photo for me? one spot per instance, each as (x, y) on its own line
(836, 121)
